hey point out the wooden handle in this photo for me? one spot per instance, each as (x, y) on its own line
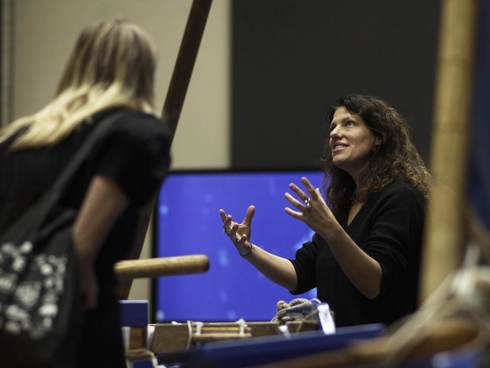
(155, 267)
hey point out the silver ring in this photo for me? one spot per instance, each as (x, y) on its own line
(307, 202)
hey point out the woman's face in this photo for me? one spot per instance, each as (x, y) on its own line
(351, 142)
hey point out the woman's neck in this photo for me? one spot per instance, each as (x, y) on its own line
(357, 175)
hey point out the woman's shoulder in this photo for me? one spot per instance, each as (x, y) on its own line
(401, 191)
(398, 197)
(136, 124)
(144, 135)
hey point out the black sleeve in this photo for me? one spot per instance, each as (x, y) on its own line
(136, 156)
(305, 266)
(395, 234)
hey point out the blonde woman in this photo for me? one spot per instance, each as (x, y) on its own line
(111, 69)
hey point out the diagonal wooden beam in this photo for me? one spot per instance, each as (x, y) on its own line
(185, 63)
(172, 108)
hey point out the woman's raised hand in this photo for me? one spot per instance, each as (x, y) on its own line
(239, 233)
(312, 208)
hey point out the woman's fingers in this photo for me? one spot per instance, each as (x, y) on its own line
(227, 221)
(295, 214)
(233, 231)
(225, 218)
(222, 214)
(311, 189)
(299, 205)
(308, 200)
(319, 195)
(298, 191)
(236, 237)
(313, 192)
(239, 233)
(247, 220)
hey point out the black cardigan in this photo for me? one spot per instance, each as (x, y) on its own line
(389, 229)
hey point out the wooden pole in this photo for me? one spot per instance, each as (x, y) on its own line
(444, 227)
(172, 107)
(185, 63)
(167, 266)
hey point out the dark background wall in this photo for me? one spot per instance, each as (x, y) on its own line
(292, 58)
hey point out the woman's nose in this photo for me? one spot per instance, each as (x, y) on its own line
(334, 132)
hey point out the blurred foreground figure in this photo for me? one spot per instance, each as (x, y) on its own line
(110, 71)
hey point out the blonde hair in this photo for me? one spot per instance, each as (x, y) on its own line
(111, 65)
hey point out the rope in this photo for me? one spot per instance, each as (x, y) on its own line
(298, 309)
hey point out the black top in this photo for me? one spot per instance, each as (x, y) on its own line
(389, 229)
(135, 154)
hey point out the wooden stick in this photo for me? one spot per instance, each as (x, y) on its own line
(172, 107)
(155, 267)
(220, 337)
(185, 63)
(235, 329)
(444, 226)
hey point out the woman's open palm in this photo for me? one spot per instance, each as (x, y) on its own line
(239, 233)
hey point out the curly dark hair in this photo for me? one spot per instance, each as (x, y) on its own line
(394, 159)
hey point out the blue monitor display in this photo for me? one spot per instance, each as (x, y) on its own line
(187, 222)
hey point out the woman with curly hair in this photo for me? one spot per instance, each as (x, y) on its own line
(364, 258)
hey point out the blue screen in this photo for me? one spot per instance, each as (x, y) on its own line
(188, 222)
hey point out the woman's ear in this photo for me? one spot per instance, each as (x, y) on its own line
(378, 140)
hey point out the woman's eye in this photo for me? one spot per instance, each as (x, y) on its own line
(349, 124)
